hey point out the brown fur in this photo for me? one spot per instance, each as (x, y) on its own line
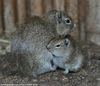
(70, 56)
(29, 42)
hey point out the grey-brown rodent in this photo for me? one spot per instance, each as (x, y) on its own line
(67, 54)
(29, 41)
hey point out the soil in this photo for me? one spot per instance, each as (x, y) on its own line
(89, 75)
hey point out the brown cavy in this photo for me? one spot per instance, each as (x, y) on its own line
(67, 54)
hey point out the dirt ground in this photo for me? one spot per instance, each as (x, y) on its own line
(89, 75)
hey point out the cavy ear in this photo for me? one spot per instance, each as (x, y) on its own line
(58, 17)
(67, 42)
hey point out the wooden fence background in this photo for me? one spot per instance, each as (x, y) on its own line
(85, 13)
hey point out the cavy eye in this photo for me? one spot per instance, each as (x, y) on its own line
(67, 21)
(57, 45)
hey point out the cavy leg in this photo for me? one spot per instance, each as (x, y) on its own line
(66, 71)
(54, 67)
(48, 67)
(51, 68)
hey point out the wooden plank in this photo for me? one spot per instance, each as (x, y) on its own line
(72, 10)
(93, 37)
(9, 16)
(36, 7)
(59, 4)
(1, 23)
(21, 10)
(28, 8)
(93, 15)
(93, 20)
(82, 19)
(47, 5)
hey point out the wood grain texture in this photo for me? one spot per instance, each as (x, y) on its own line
(93, 37)
(85, 13)
(93, 15)
(21, 10)
(1, 23)
(82, 19)
(9, 16)
(93, 21)
(28, 8)
(59, 4)
(36, 7)
(47, 5)
(72, 10)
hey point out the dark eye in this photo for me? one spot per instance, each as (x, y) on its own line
(67, 21)
(57, 45)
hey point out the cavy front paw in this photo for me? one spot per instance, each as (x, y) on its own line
(53, 69)
(66, 71)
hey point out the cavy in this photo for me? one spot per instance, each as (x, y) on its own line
(67, 54)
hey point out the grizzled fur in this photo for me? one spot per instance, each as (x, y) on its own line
(29, 41)
(67, 54)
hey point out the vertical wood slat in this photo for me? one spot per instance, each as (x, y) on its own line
(36, 7)
(21, 10)
(47, 5)
(93, 21)
(59, 4)
(9, 15)
(72, 10)
(28, 8)
(93, 13)
(82, 19)
(1, 23)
